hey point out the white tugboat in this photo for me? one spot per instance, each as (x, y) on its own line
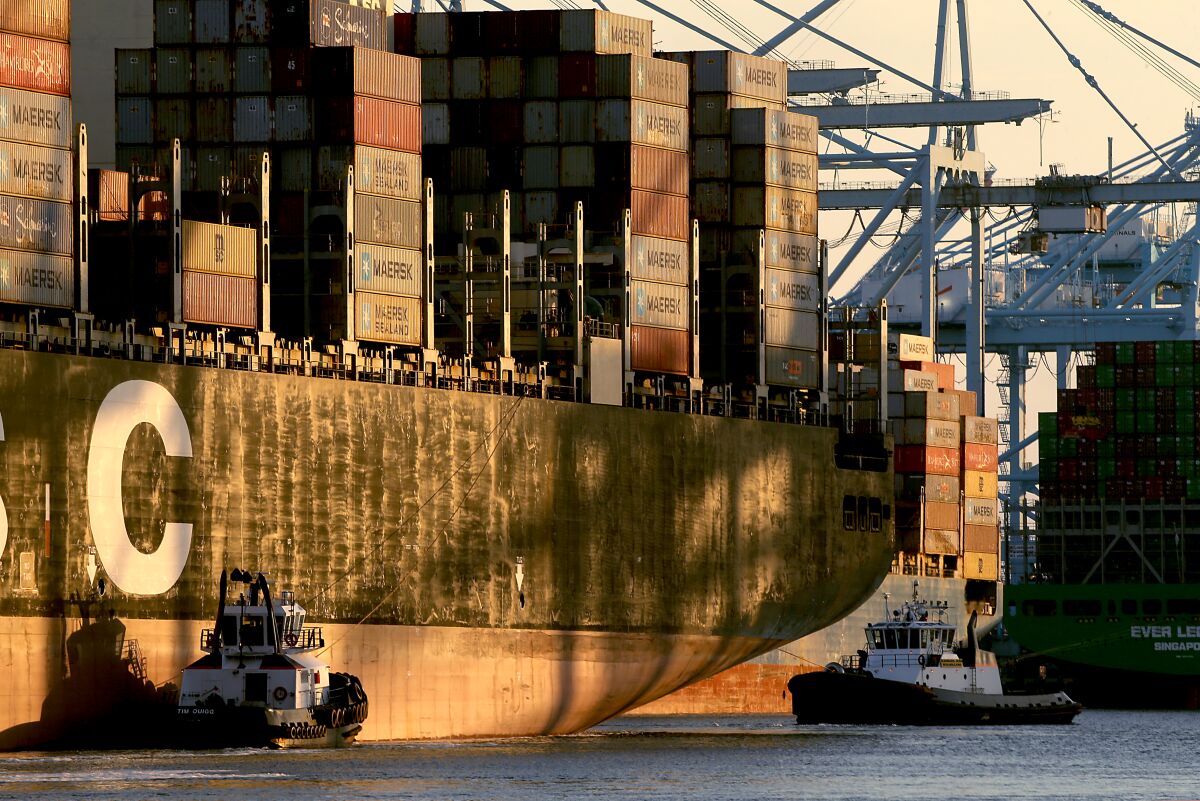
(910, 673)
(260, 685)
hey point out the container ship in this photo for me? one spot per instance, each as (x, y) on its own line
(1110, 604)
(410, 313)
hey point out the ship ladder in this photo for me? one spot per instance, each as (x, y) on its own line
(133, 657)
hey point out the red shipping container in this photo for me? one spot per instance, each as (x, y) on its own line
(1106, 399)
(35, 64)
(660, 350)
(577, 75)
(1127, 467)
(506, 122)
(404, 27)
(1165, 468)
(1152, 488)
(1088, 449)
(501, 30)
(944, 372)
(537, 31)
(370, 121)
(362, 72)
(1068, 470)
(658, 170)
(220, 299)
(660, 215)
(979, 457)
(1106, 353)
(1143, 353)
(923, 459)
(1145, 375)
(1085, 376)
(290, 70)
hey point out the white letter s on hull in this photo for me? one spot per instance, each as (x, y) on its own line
(124, 408)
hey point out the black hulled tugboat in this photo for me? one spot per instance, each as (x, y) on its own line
(261, 684)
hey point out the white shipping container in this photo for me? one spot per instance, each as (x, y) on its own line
(393, 271)
(388, 221)
(911, 381)
(981, 511)
(222, 249)
(390, 173)
(642, 78)
(643, 123)
(662, 260)
(659, 305)
(37, 279)
(729, 72)
(776, 167)
(911, 348)
(36, 171)
(792, 290)
(603, 32)
(774, 128)
(388, 318)
(772, 207)
(792, 329)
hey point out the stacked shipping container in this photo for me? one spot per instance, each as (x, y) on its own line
(37, 163)
(981, 506)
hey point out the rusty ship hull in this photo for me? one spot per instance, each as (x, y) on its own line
(488, 565)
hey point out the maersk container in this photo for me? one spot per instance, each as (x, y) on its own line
(252, 72)
(173, 119)
(662, 260)
(792, 367)
(577, 166)
(210, 21)
(435, 79)
(792, 329)
(135, 121)
(292, 169)
(660, 350)
(468, 78)
(504, 77)
(370, 73)
(392, 271)
(212, 165)
(291, 70)
(214, 70)
(642, 78)
(938, 433)
(223, 249)
(728, 72)
(388, 173)
(711, 113)
(792, 290)
(172, 71)
(435, 124)
(775, 167)
(387, 221)
(293, 118)
(387, 318)
(981, 511)
(37, 279)
(135, 71)
(643, 123)
(710, 159)
(577, 121)
(226, 300)
(774, 128)
(432, 34)
(659, 305)
(604, 32)
(37, 225)
(541, 122)
(370, 121)
(172, 22)
(46, 19)
(541, 77)
(36, 118)
(214, 120)
(251, 21)
(35, 64)
(252, 119)
(785, 250)
(772, 207)
(980, 430)
(541, 167)
(659, 215)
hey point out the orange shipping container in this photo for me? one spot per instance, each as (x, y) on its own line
(371, 121)
(664, 216)
(982, 458)
(941, 515)
(944, 372)
(660, 350)
(48, 19)
(981, 539)
(35, 64)
(934, 405)
(658, 170)
(220, 299)
(922, 459)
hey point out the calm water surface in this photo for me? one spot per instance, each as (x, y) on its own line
(1104, 755)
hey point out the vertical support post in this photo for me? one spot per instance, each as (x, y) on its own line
(506, 286)
(541, 293)
(264, 246)
(468, 297)
(823, 342)
(760, 301)
(627, 309)
(694, 259)
(429, 355)
(883, 365)
(976, 313)
(928, 238)
(176, 235)
(578, 302)
(82, 302)
(1062, 370)
(1017, 360)
(348, 272)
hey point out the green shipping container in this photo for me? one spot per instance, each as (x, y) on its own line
(1105, 469)
(1145, 422)
(1185, 397)
(1183, 352)
(1185, 446)
(1145, 399)
(1147, 468)
(1166, 446)
(1193, 488)
(1106, 449)
(1164, 352)
(1106, 376)
(1164, 375)
(1068, 448)
(1185, 468)
(1185, 421)
(1048, 448)
(1048, 469)
(1047, 425)
(1124, 353)
(1126, 399)
(1185, 375)
(1126, 422)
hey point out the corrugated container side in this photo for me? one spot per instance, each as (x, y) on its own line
(214, 120)
(387, 221)
(432, 34)
(35, 64)
(108, 195)
(911, 381)
(252, 73)
(939, 433)
(910, 347)
(711, 112)
(541, 122)
(506, 122)
(404, 33)
(980, 566)
(467, 33)
(541, 207)
(392, 271)
(538, 31)
(943, 541)
(659, 305)
(577, 166)
(943, 489)
(925, 459)
(37, 225)
(468, 169)
(293, 118)
(435, 79)
(980, 484)
(210, 21)
(37, 279)
(936, 405)
(212, 164)
(541, 167)
(662, 260)
(642, 122)
(740, 74)
(48, 19)
(291, 70)
(710, 159)
(541, 77)
(212, 299)
(172, 22)
(387, 318)
(435, 124)
(335, 24)
(772, 207)
(982, 458)
(172, 71)
(130, 155)
(942, 515)
(710, 202)
(252, 119)
(980, 430)
(776, 167)
(251, 21)
(504, 76)
(604, 32)
(135, 71)
(981, 511)
(785, 250)
(981, 539)
(792, 367)
(135, 121)
(650, 168)
(223, 249)
(792, 290)
(388, 173)
(660, 350)
(792, 329)
(374, 73)
(577, 121)
(577, 75)
(659, 215)
(642, 78)
(214, 70)
(501, 30)
(173, 119)
(468, 78)
(293, 169)
(774, 128)
(370, 121)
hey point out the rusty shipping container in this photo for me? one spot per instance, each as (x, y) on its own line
(46, 19)
(108, 195)
(36, 118)
(291, 70)
(659, 215)
(980, 430)
(211, 21)
(327, 23)
(641, 78)
(649, 168)
(36, 64)
(772, 207)
(372, 73)
(222, 249)
(212, 165)
(214, 120)
(214, 70)
(792, 329)
(660, 350)
(370, 121)
(728, 72)
(37, 279)
(710, 159)
(775, 167)
(659, 305)
(252, 70)
(37, 225)
(541, 77)
(943, 489)
(292, 119)
(36, 171)
(938, 433)
(251, 119)
(641, 122)
(711, 113)
(935, 405)
(431, 34)
(251, 21)
(942, 515)
(293, 168)
(387, 318)
(435, 79)
(135, 71)
(215, 299)
(662, 260)
(577, 121)
(926, 459)
(172, 22)
(604, 32)
(541, 122)
(711, 202)
(504, 77)
(774, 128)
(940, 540)
(172, 71)
(387, 221)
(392, 271)
(135, 120)
(435, 124)
(468, 78)
(981, 539)
(792, 367)
(792, 290)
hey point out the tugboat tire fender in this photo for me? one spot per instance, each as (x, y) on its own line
(280, 693)
(921, 660)
(835, 667)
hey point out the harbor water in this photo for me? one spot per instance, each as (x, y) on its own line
(1103, 755)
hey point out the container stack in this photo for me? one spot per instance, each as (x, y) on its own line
(37, 163)
(981, 505)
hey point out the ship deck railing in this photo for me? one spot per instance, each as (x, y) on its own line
(309, 637)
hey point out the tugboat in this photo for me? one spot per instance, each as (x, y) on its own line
(911, 674)
(260, 685)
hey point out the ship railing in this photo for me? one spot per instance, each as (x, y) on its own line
(892, 659)
(308, 637)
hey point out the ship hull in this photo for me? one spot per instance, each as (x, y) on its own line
(487, 565)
